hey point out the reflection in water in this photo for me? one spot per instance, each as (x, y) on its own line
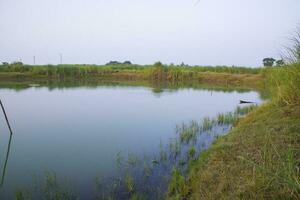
(157, 87)
(6, 160)
(8, 146)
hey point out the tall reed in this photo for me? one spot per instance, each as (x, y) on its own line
(284, 84)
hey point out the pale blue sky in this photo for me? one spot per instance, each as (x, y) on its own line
(213, 32)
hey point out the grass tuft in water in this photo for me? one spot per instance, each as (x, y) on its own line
(48, 188)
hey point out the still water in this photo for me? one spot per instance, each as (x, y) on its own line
(77, 132)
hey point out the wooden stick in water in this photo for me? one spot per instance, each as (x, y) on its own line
(6, 117)
(6, 160)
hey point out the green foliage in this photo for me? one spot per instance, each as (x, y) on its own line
(244, 110)
(157, 72)
(284, 84)
(50, 188)
(189, 132)
(175, 148)
(225, 69)
(147, 170)
(137, 196)
(162, 153)
(268, 62)
(177, 187)
(129, 183)
(132, 160)
(292, 55)
(228, 118)
(192, 152)
(207, 124)
(279, 63)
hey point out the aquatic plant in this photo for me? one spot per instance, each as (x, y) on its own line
(244, 110)
(228, 118)
(189, 132)
(137, 196)
(147, 169)
(192, 152)
(162, 153)
(132, 160)
(119, 159)
(174, 148)
(129, 183)
(177, 184)
(207, 124)
(48, 188)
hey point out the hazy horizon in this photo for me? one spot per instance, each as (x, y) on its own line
(210, 32)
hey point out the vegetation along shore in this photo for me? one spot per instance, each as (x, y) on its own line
(157, 73)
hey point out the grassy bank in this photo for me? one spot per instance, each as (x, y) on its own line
(84, 69)
(259, 158)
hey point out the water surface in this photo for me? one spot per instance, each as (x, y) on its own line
(77, 132)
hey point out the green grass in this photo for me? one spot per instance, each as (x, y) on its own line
(284, 84)
(259, 158)
(72, 69)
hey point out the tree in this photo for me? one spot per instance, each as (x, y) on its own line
(17, 63)
(158, 64)
(279, 62)
(268, 62)
(113, 63)
(127, 62)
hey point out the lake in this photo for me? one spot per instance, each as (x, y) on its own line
(78, 132)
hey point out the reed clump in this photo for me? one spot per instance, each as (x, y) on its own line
(284, 84)
(48, 188)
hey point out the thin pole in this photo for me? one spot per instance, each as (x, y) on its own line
(6, 117)
(6, 160)
(34, 60)
(60, 56)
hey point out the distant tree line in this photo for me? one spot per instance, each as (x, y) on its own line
(13, 63)
(119, 63)
(269, 62)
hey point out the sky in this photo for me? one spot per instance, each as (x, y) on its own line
(196, 32)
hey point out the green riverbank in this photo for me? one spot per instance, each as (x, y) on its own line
(157, 73)
(260, 157)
